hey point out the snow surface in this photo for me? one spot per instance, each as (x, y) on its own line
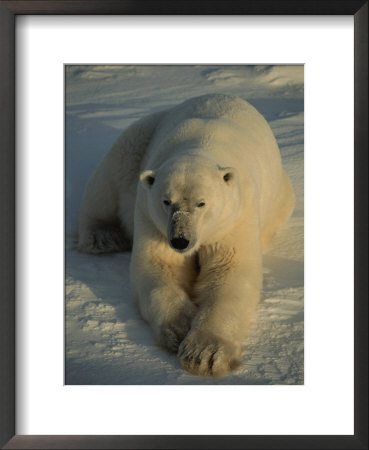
(107, 342)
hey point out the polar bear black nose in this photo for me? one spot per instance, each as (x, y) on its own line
(179, 243)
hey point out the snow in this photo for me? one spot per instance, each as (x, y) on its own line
(107, 341)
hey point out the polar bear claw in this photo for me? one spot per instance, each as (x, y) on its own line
(206, 355)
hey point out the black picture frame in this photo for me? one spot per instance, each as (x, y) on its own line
(8, 11)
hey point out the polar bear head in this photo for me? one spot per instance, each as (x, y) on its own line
(190, 199)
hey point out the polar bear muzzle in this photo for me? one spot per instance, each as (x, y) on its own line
(180, 233)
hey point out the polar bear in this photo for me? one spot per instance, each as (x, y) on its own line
(199, 190)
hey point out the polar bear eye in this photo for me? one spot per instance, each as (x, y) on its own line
(167, 202)
(201, 204)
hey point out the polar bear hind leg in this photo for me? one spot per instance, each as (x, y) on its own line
(107, 209)
(99, 228)
(280, 213)
(104, 238)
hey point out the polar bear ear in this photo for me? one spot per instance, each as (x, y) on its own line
(147, 178)
(228, 174)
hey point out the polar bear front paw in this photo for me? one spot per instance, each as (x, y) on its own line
(202, 353)
(172, 335)
(173, 331)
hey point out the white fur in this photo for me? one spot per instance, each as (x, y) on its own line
(215, 159)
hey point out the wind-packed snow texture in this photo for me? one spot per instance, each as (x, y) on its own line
(107, 342)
